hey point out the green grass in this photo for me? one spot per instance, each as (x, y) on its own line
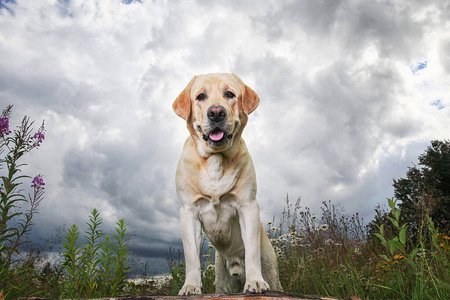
(330, 254)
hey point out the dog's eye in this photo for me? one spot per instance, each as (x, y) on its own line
(201, 97)
(229, 95)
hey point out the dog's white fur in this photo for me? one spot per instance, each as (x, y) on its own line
(216, 186)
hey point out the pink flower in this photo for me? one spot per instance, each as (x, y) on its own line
(4, 126)
(39, 137)
(38, 182)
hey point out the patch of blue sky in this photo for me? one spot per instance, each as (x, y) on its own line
(130, 1)
(416, 67)
(6, 4)
(438, 103)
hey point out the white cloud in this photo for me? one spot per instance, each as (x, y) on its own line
(341, 112)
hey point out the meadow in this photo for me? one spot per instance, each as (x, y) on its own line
(326, 253)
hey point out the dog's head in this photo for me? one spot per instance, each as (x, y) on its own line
(216, 108)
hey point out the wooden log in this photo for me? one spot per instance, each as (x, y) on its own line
(266, 296)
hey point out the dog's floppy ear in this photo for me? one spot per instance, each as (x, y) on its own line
(250, 99)
(182, 105)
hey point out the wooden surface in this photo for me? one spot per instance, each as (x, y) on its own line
(265, 296)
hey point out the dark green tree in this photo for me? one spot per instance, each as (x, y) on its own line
(426, 189)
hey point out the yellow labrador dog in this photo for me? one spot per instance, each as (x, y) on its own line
(216, 186)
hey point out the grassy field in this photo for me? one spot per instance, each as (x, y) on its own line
(329, 254)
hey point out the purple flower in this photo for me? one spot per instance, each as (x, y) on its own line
(4, 126)
(38, 182)
(39, 136)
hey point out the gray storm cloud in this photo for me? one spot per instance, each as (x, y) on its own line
(341, 111)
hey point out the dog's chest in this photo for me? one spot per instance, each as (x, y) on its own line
(221, 224)
(215, 181)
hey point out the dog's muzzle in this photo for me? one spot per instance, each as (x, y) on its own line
(217, 115)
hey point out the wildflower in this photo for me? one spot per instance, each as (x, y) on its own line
(313, 217)
(4, 126)
(384, 266)
(38, 182)
(209, 268)
(421, 253)
(329, 242)
(324, 227)
(399, 257)
(39, 137)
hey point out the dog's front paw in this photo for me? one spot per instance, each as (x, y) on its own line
(256, 286)
(189, 289)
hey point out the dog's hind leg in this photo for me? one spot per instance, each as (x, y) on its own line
(221, 282)
(224, 283)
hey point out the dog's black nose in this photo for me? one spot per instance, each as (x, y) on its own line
(216, 113)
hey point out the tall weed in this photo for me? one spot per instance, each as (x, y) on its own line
(101, 266)
(15, 221)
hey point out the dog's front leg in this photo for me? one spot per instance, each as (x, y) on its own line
(251, 235)
(191, 232)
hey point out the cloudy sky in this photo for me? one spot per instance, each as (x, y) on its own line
(351, 93)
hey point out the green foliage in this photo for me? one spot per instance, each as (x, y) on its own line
(101, 266)
(321, 254)
(106, 264)
(398, 243)
(89, 258)
(422, 272)
(333, 255)
(426, 190)
(175, 261)
(208, 260)
(72, 259)
(14, 223)
(16, 209)
(120, 261)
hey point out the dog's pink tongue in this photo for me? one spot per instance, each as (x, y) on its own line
(216, 136)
